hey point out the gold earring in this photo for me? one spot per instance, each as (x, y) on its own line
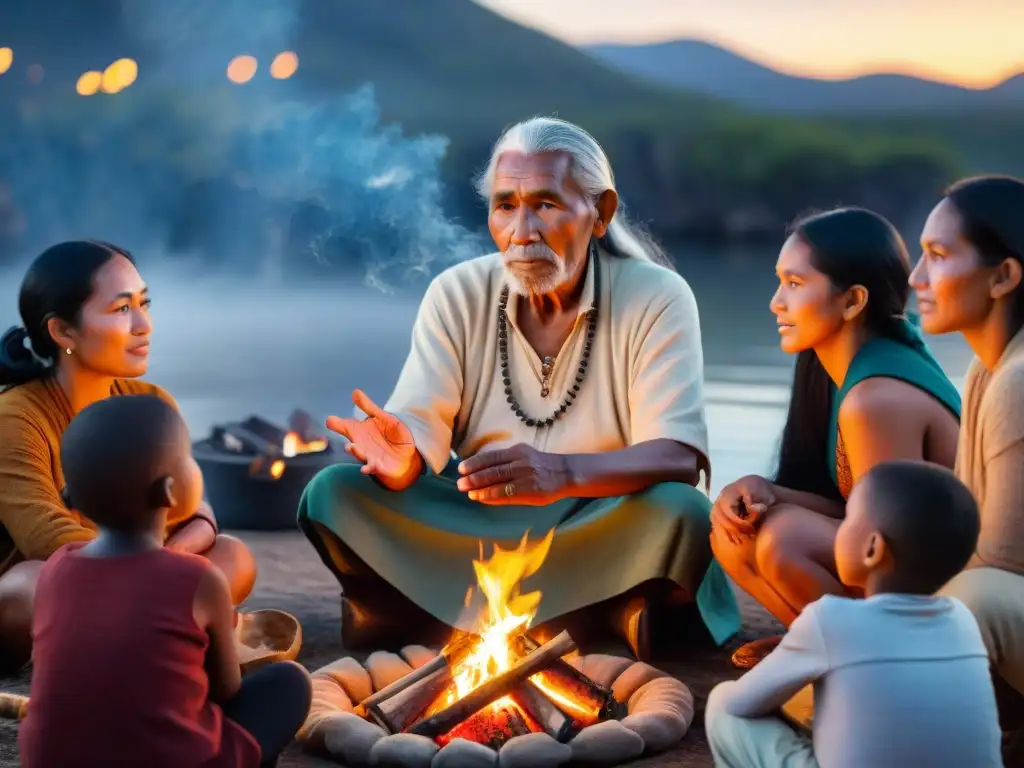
(67, 351)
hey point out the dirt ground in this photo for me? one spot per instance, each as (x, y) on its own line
(293, 579)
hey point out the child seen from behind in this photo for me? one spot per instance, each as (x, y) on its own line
(901, 678)
(135, 658)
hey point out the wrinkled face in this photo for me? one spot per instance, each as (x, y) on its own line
(855, 538)
(111, 337)
(541, 221)
(806, 305)
(953, 286)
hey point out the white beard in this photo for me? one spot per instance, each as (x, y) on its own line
(535, 286)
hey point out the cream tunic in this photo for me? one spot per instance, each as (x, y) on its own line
(644, 381)
(990, 456)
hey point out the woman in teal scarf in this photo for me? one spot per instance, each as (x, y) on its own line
(866, 390)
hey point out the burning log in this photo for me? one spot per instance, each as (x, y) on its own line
(550, 718)
(268, 444)
(254, 435)
(303, 426)
(570, 690)
(398, 711)
(396, 706)
(495, 688)
(493, 727)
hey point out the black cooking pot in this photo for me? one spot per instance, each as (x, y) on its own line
(258, 493)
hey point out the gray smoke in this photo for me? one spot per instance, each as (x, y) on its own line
(256, 179)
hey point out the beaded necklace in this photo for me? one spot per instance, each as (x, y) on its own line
(570, 395)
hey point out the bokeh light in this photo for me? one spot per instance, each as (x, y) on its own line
(89, 83)
(284, 65)
(119, 76)
(242, 69)
(35, 73)
(6, 59)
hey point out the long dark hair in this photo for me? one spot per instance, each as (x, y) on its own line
(991, 210)
(57, 284)
(850, 246)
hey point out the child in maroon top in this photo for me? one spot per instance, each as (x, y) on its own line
(134, 644)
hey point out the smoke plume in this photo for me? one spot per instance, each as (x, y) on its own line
(259, 178)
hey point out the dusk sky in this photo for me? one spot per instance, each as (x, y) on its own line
(971, 42)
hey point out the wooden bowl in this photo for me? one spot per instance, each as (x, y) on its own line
(265, 636)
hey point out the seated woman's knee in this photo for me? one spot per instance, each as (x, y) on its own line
(735, 557)
(984, 594)
(17, 599)
(974, 589)
(237, 563)
(779, 545)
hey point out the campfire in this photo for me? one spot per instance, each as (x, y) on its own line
(495, 695)
(496, 682)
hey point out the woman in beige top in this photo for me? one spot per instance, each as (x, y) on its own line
(969, 279)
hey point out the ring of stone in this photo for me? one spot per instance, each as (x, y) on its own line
(510, 489)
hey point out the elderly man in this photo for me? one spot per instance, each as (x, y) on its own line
(565, 372)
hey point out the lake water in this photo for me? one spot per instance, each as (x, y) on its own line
(228, 348)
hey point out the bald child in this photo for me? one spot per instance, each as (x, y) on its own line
(901, 678)
(135, 660)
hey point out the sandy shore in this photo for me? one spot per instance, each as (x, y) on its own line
(292, 578)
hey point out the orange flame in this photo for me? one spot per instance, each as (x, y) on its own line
(508, 612)
(294, 445)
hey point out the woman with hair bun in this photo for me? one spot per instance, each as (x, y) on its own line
(84, 337)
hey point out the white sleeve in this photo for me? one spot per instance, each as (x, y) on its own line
(798, 660)
(428, 394)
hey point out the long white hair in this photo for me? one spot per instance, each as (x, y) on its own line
(590, 170)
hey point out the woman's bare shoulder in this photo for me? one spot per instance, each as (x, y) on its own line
(884, 399)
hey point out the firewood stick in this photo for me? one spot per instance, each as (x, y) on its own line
(585, 701)
(495, 688)
(397, 712)
(539, 707)
(450, 654)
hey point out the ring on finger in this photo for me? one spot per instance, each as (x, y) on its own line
(510, 489)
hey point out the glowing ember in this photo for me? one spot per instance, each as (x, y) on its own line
(293, 445)
(508, 612)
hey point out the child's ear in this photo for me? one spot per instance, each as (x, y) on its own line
(163, 493)
(875, 551)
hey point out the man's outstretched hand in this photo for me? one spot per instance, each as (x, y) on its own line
(381, 442)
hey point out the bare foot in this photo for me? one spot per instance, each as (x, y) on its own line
(750, 655)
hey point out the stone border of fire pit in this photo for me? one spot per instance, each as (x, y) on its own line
(660, 710)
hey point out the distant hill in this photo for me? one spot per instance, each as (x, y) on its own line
(444, 63)
(706, 68)
(685, 160)
(453, 62)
